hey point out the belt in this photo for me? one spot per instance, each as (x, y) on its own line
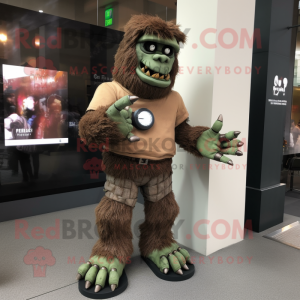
(141, 161)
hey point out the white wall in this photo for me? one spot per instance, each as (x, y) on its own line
(215, 193)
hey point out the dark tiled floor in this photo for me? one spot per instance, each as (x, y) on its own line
(292, 203)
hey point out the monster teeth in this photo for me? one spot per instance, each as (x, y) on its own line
(155, 75)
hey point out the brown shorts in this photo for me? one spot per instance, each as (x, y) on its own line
(126, 190)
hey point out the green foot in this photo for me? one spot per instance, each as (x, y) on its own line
(96, 271)
(173, 256)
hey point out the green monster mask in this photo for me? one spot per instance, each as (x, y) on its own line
(155, 59)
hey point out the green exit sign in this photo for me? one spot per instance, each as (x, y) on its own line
(108, 16)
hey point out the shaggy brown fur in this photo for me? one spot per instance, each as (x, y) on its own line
(113, 221)
(122, 167)
(96, 127)
(186, 137)
(156, 230)
(126, 59)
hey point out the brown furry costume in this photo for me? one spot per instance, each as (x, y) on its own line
(113, 218)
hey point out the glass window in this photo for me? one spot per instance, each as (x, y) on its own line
(49, 69)
(63, 53)
(292, 141)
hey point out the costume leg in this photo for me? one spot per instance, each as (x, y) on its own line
(113, 221)
(156, 230)
(156, 241)
(114, 247)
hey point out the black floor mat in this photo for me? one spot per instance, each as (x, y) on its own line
(106, 292)
(171, 276)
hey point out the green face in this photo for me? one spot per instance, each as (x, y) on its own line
(155, 60)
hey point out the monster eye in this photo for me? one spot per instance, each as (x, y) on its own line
(168, 50)
(150, 46)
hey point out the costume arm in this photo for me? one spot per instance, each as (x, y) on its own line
(96, 127)
(186, 137)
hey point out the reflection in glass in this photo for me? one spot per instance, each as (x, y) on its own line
(70, 39)
(291, 142)
(50, 68)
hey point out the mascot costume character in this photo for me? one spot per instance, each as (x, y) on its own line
(141, 118)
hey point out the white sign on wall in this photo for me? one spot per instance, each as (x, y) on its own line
(280, 85)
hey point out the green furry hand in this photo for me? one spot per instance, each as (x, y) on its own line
(174, 256)
(213, 145)
(96, 270)
(120, 112)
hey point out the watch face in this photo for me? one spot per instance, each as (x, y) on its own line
(142, 119)
(145, 118)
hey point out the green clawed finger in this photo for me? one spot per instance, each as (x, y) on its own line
(90, 276)
(226, 160)
(82, 270)
(220, 157)
(125, 101)
(181, 260)
(164, 264)
(232, 135)
(185, 254)
(132, 138)
(231, 151)
(232, 143)
(113, 279)
(115, 272)
(218, 124)
(175, 265)
(100, 279)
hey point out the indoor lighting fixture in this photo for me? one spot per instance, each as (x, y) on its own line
(3, 37)
(41, 11)
(37, 42)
